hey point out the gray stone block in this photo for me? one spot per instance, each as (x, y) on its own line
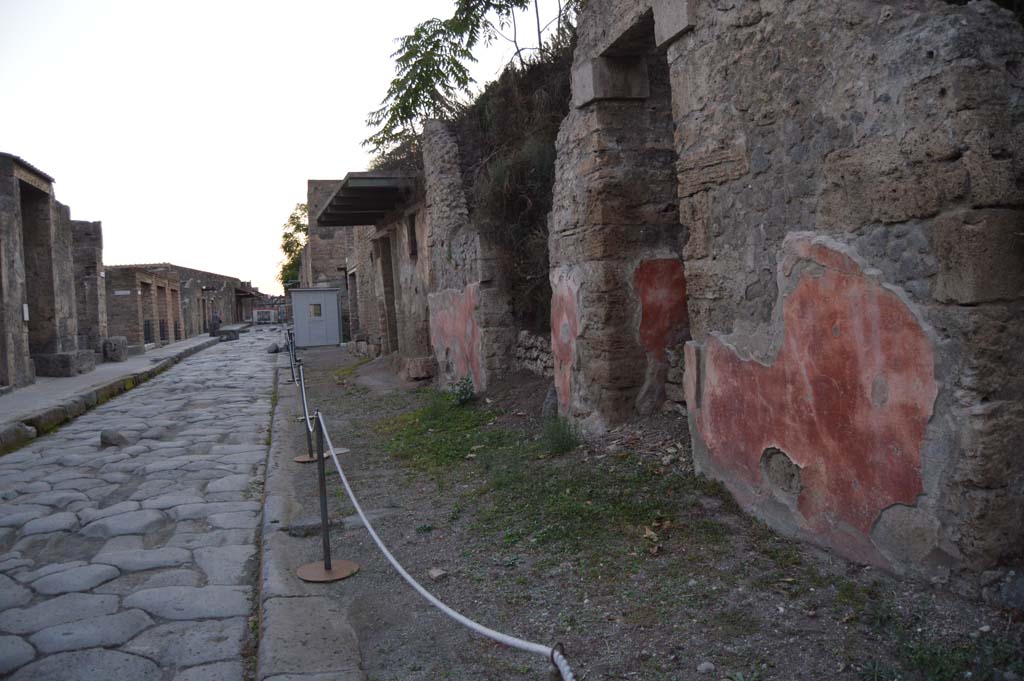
(12, 594)
(14, 653)
(75, 579)
(57, 522)
(94, 632)
(90, 665)
(56, 611)
(184, 602)
(115, 349)
(218, 671)
(182, 644)
(145, 559)
(135, 522)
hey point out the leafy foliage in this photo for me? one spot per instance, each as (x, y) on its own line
(431, 72)
(293, 240)
(507, 138)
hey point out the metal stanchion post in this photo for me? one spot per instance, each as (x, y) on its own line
(308, 457)
(325, 571)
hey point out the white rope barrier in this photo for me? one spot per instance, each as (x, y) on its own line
(554, 655)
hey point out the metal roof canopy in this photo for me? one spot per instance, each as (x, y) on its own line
(366, 198)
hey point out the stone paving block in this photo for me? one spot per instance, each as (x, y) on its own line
(88, 515)
(57, 522)
(195, 540)
(184, 602)
(145, 559)
(190, 511)
(80, 484)
(230, 483)
(167, 501)
(134, 522)
(130, 583)
(228, 565)
(75, 579)
(294, 626)
(218, 671)
(90, 665)
(105, 631)
(12, 594)
(48, 569)
(14, 652)
(182, 644)
(18, 517)
(60, 499)
(234, 521)
(55, 611)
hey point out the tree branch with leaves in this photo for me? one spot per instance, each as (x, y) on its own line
(431, 66)
(293, 240)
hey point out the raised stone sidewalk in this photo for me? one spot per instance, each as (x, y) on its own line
(36, 409)
(137, 562)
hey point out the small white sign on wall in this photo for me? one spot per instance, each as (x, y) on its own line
(122, 293)
(24, 312)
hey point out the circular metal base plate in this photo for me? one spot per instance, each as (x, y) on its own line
(306, 458)
(315, 572)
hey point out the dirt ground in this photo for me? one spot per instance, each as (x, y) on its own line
(615, 548)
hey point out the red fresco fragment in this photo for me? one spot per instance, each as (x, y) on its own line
(455, 334)
(661, 286)
(565, 325)
(847, 398)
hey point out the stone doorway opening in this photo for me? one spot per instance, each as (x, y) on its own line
(37, 246)
(389, 313)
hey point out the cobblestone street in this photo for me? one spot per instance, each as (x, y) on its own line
(135, 557)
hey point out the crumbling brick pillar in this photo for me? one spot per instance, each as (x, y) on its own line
(90, 287)
(619, 313)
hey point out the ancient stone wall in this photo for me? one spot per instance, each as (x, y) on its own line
(533, 353)
(361, 262)
(619, 293)
(200, 295)
(16, 367)
(847, 191)
(40, 329)
(90, 287)
(471, 327)
(144, 305)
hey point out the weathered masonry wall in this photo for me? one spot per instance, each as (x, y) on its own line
(38, 327)
(203, 294)
(827, 199)
(143, 307)
(90, 287)
(471, 327)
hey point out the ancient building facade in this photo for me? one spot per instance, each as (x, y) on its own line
(144, 307)
(798, 224)
(39, 330)
(804, 221)
(205, 294)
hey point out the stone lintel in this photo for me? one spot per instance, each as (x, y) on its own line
(609, 78)
(672, 18)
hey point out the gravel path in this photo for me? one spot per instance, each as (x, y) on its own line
(136, 560)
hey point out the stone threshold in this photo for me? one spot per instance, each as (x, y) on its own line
(15, 434)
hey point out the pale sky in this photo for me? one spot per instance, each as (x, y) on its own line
(188, 127)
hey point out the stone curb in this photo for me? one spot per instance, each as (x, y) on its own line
(286, 603)
(16, 434)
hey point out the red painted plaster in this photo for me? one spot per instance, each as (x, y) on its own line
(848, 398)
(565, 326)
(455, 333)
(661, 287)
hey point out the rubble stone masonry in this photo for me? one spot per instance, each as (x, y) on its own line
(833, 192)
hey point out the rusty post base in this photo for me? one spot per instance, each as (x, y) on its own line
(315, 572)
